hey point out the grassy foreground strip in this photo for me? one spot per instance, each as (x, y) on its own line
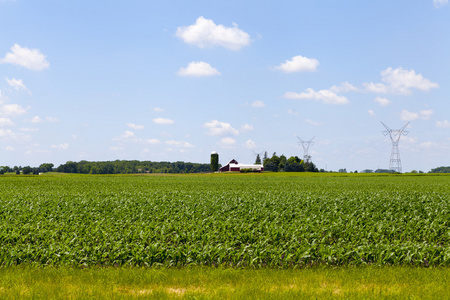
(224, 283)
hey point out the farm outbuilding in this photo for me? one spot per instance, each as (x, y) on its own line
(234, 166)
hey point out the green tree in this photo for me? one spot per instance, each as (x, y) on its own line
(46, 167)
(258, 160)
(26, 170)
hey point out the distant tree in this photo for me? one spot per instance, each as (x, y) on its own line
(258, 160)
(310, 167)
(294, 164)
(2, 172)
(46, 167)
(265, 156)
(282, 163)
(441, 170)
(17, 172)
(26, 170)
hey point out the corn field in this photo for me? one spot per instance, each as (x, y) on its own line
(261, 220)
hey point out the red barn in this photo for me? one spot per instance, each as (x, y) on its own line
(234, 166)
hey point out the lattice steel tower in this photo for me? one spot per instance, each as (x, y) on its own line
(395, 164)
(305, 145)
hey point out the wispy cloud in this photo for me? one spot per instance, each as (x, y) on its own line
(64, 146)
(163, 121)
(180, 144)
(135, 126)
(17, 84)
(220, 128)
(412, 116)
(6, 122)
(258, 104)
(443, 124)
(325, 96)
(227, 143)
(440, 3)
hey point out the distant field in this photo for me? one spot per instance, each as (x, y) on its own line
(280, 220)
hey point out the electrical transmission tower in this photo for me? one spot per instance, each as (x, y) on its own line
(258, 154)
(395, 164)
(305, 145)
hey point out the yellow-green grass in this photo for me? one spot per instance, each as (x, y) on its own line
(224, 283)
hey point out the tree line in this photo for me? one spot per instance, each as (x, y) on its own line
(113, 167)
(440, 170)
(283, 164)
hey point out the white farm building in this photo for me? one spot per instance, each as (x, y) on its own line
(234, 166)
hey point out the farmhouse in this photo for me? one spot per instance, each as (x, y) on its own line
(233, 165)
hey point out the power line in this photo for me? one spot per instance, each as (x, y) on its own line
(305, 145)
(395, 163)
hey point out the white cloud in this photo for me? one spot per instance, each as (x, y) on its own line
(116, 149)
(158, 109)
(205, 33)
(36, 119)
(343, 88)
(9, 134)
(227, 143)
(64, 146)
(31, 59)
(292, 112)
(28, 129)
(220, 128)
(376, 87)
(130, 137)
(51, 119)
(426, 114)
(9, 148)
(258, 103)
(371, 113)
(163, 121)
(408, 116)
(326, 96)
(440, 3)
(250, 144)
(11, 110)
(135, 126)
(128, 134)
(198, 69)
(428, 144)
(17, 84)
(382, 101)
(412, 116)
(246, 128)
(400, 81)
(311, 122)
(6, 122)
(180, 144)
(298, 64)
(150, 141)
(443, 124)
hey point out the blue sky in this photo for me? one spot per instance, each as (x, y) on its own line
(175, 80)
